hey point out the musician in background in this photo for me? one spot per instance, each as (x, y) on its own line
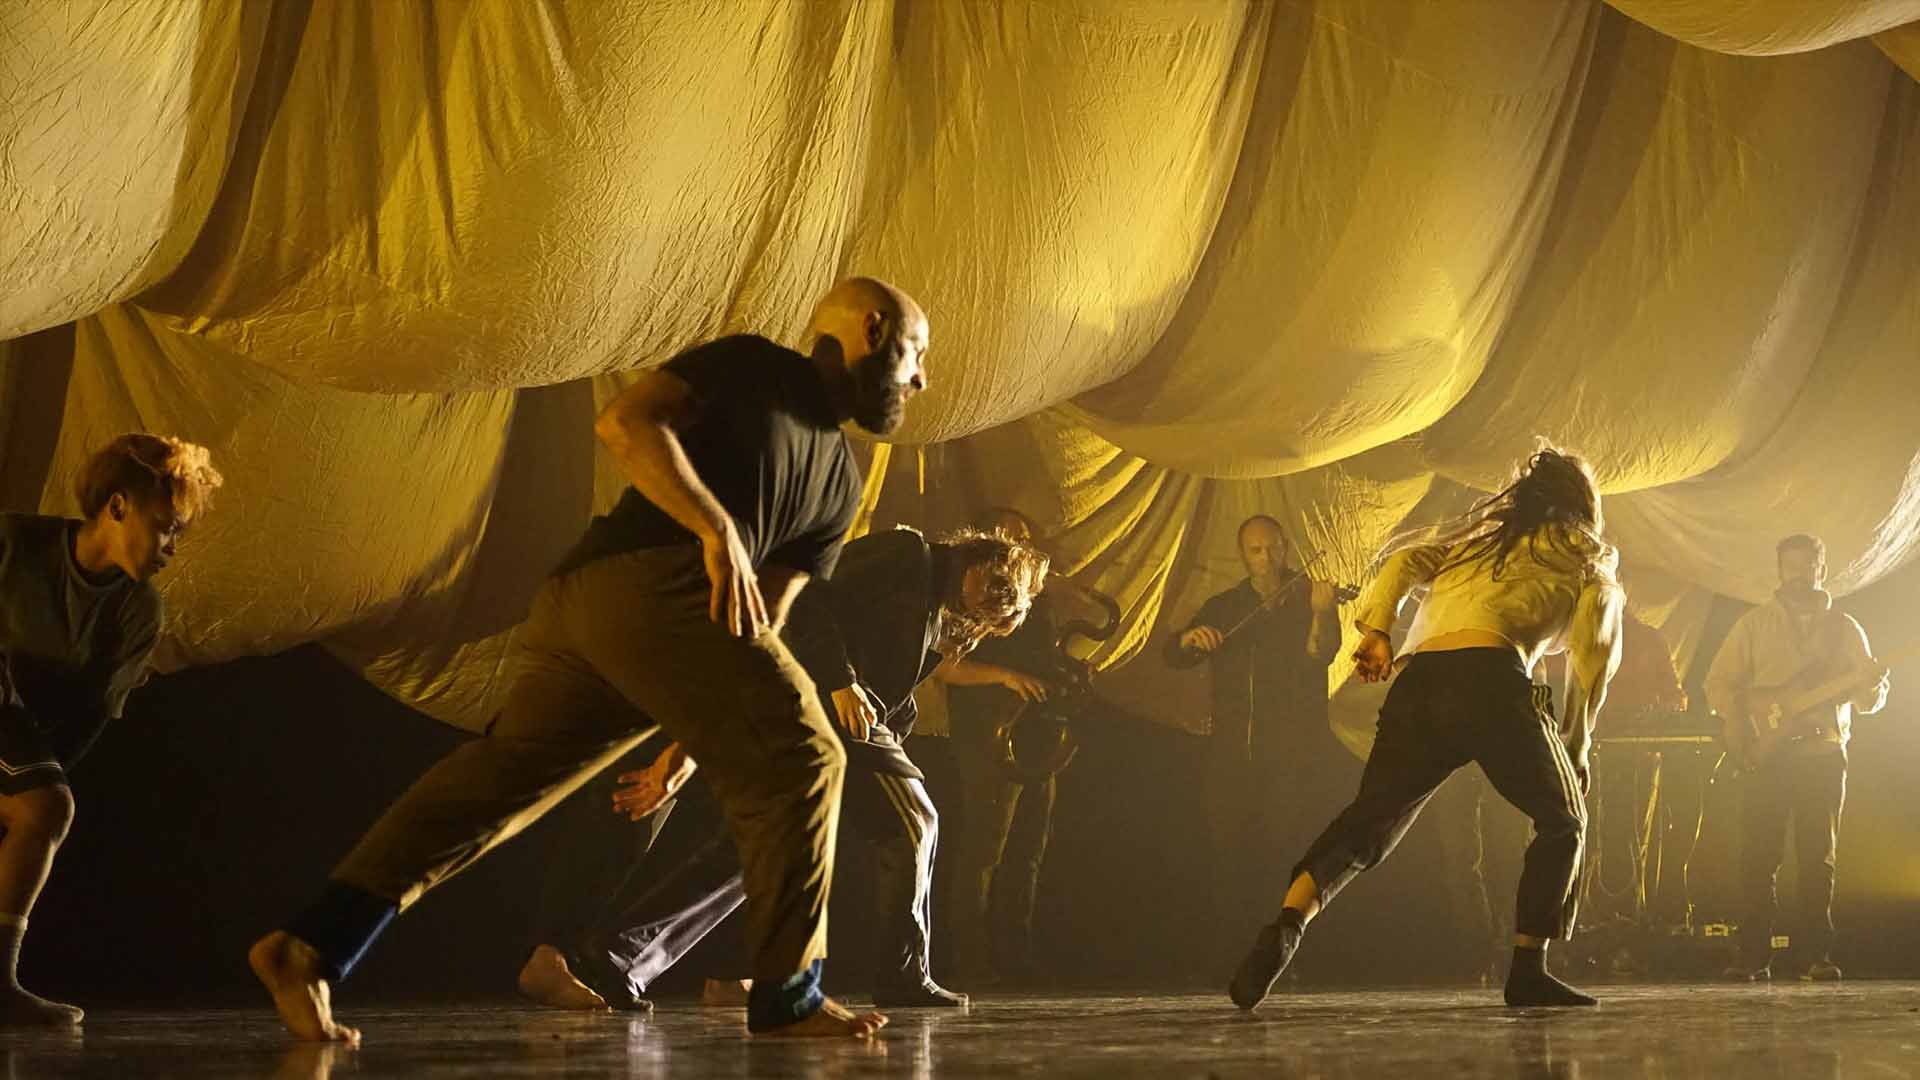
(1274, 767)
(1646, 691)
(1006, 823)
(1796, 638)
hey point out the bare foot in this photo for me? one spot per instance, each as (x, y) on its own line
(726, 993)
(290, 970)
(18, 1008)
(547, 980)
(834, 1020)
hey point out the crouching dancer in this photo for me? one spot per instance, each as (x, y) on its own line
(666, 616)
(78, 619)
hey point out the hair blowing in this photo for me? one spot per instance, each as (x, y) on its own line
(1015, 573)
(149, 469)
(1552, 500)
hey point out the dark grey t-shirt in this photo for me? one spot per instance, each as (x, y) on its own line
(765, 440)
(71, 647)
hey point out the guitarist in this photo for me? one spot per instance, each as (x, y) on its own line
(1272, 761)
(1796, 638)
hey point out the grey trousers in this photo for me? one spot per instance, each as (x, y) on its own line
(657, 914)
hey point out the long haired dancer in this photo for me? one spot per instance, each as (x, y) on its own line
(1524, 573)
(78, 619)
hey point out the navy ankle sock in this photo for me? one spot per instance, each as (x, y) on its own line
(341, 926)
(776, 1003)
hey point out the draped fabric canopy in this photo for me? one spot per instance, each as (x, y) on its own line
(1339, 260)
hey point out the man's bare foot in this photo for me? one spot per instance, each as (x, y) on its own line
(726, 993)
(834, 1020)
(290, 970)
(547, 980)
(19, 1008)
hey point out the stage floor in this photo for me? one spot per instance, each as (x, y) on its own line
(1666, 1031)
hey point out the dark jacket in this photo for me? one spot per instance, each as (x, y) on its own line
(1268, 694)
(876, 622)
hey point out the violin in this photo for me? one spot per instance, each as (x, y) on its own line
(1343, 593)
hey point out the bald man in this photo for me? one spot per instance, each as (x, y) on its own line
(1272, 759)
(666, 616)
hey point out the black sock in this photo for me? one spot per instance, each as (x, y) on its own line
(1529, 984)
(1271, 953)
(1529, 961)
(10, 938)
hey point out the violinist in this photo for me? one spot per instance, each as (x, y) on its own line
(1274, 768)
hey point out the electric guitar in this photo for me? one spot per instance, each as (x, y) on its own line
(1800, 708)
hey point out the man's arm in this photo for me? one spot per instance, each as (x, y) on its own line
(813, 636)
(964, 672)
(1323, 635)
(642, 792)
(132, 662)
(1198, 639)
(110, 677)
(1869, 699)
(1593, 655)
(638, 428)
(1404, 571)
(1379, 606)
(1729, 678)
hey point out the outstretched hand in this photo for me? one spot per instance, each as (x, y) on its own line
(641, 793)
(1024, 685)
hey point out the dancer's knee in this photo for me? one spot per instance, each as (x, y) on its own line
(44, 814)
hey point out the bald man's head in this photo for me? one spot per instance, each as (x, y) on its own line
(870, 339)
(1263, 547)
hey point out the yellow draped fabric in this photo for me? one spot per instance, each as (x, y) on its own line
(1769, 27)
(1336, 260)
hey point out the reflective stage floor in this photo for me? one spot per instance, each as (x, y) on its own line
(1863, 1029)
